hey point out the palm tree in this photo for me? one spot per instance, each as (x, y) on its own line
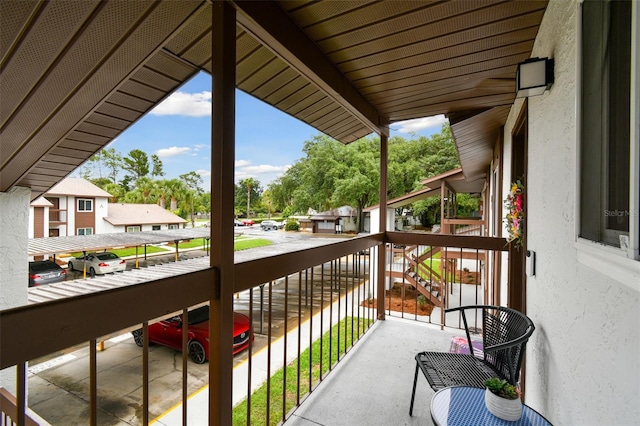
(147, 187)
(116, 191)
(173, 189)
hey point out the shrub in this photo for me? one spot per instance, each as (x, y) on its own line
(291, 225)
(422, 301)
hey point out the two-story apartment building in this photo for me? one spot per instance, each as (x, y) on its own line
(77, 207)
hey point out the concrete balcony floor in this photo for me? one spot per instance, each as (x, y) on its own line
(372, 384)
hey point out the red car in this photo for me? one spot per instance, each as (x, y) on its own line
(247, 222)
(168, 332)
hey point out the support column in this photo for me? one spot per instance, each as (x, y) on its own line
(382, 223)
(444, 229)
(222, 194)
(14, 243)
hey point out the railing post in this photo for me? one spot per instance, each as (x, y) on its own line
(382, 225)
(21, 393)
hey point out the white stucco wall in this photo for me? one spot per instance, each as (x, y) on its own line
(107, 228)
(101, 210)
(375, 217)
(69, 203)
(30, 222)
(583, 361)
(14, 228)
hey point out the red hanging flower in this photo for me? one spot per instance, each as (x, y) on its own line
(515, 213)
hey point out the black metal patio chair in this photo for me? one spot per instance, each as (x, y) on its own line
(505, 333)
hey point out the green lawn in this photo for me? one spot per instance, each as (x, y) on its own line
(309, 361)
(240, 244)
(130, 251)
(250, 243)
(196, 242)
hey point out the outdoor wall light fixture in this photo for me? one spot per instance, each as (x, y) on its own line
(533, 77)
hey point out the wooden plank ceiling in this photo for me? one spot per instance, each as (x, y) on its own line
(74, 75)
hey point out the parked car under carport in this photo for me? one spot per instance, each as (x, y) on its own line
(168, 332)
(45, 272)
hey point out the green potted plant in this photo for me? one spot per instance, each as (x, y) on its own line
(502, 399)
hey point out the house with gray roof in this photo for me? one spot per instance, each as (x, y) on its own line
(140, 217)
(335, 221)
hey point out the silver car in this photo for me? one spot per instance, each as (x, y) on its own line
(271, 225)
(99, 263)
(45, 272)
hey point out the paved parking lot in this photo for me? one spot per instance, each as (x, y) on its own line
(63, 381)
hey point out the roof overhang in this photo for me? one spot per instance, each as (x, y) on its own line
(77, 74)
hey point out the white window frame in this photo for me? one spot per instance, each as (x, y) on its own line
(134, 228)
(174, 226)
(621, 265)
(156, 227)
(84, 231)
(85, 200)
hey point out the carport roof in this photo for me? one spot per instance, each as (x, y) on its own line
(64, 289)
(78, 243)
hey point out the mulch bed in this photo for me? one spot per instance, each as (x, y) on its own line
(395, 302)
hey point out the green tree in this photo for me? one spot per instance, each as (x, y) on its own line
(100, 182)
(145, 191)
(171, 190)
(319, 170)
(157, 166)
(439, 153)
(248, 192)
(357, 181)
(136, 163)
(332, 174)
(113, 163)
(104, 164)
(404, 168)
(117, 192)
(283, 188)
(95, 164)
(204, 202)
(192, 182)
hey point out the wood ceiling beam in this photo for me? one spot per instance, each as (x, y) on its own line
(271, 26)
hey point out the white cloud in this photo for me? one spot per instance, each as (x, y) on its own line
(265, 173)
(189, 104)
(173, 151)
(265, 168)
(418, 124)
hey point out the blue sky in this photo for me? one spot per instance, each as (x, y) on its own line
(267, 141)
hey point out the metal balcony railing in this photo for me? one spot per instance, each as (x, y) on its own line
(307, 308)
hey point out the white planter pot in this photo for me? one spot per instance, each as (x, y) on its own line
(506, 409)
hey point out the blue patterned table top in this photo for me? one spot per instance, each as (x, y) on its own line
(464, 406)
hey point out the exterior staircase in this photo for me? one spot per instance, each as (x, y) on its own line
(419, 274)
